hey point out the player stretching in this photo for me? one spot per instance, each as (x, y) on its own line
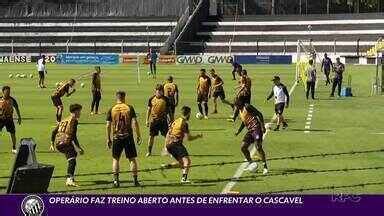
(243, 95)
(158, 116)
(203, 92)
(96, 90)
(120, 120)
(64, 138)
(326, 66)
(7, 104)
(42, 71)
(218, 90)
(281, 100)
(236, 68)
(172, 93)
(64, 89)
(174, 142)
(254, 121)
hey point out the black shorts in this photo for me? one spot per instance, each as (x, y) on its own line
(8, 124)
(127, 144)
(158, 125)
(41, 74)
(177, 150)
(243, 99)
(220, 94)
(96, 95)
(327, 71)
(254, 136)
(56, 101)
(279, 108)
(67, 149)
(202, 97)
(172, 104)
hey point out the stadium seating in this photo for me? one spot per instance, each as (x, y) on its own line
(84, 35)
(279, 34)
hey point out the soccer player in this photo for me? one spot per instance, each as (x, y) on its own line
(171, 91)
(42, 71)
(326, 66)
(203, 91)
(254, 121)
(96, 90)
(120, 119)
(174, 142)
(243, 95)
(281, 94)
(7, 104)
(67, 88)
(158, 116)
(64, 139)
(236, 68)
(217, 90)
(339, 69)
(152, 57)
(311, 80)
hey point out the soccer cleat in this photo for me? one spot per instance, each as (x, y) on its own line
(165, 166)
(246, 166)
(71, 183)
(116, 184)
(14, 151)
(136, 184)
(214, 112)
(265, 171)
(276, 129)
(148, 154)
(205, 117)
(230, 120)
(185, 181)
(252, 167)
(92, 113)
(285, 125)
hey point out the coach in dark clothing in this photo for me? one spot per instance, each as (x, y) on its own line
(311, 80)
(339, 69)
(326, 66)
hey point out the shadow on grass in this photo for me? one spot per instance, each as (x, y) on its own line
(92, 123)
(311, 130)
(207, 130)
(332, 187)
(233, 162)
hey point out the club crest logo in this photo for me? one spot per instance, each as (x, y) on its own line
(32, 205)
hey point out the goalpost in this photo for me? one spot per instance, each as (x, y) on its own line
(305, 51)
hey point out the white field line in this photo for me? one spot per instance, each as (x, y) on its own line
(306, 22)
(240, 170)
(309, 117)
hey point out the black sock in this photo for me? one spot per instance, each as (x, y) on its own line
(206, 108)
(135, 178)
(71, 168)
(265, 165)
(58, 117)
(150, 149)
(185, 176)
(116, 177)
(200, 108)
(236, 114)
(97, 106)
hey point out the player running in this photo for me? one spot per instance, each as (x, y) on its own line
(236, 68)
(174, 142)
(67, 88)
(42, 71)
(326, 66)
(253, 120)
(243, 95)
(64, 139)
(171, 91)
(281, 94)
(339, 69)
(217, 90)
(7, 104)
(203, 91)
(120, 119)
(158, 116)
(96, 90)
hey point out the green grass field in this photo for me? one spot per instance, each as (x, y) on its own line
(342, 153)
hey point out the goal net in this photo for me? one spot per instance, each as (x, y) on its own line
(305, 52)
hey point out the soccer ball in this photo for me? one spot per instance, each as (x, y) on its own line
(199, 115)
(82, 85)
(31, 76)
(149, 73)
(10, 75)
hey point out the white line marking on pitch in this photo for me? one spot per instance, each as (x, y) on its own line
(309, 118)
(240, 170)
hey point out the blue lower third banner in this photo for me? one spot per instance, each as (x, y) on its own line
(263, 59)
(87, 58)
(85, 204)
